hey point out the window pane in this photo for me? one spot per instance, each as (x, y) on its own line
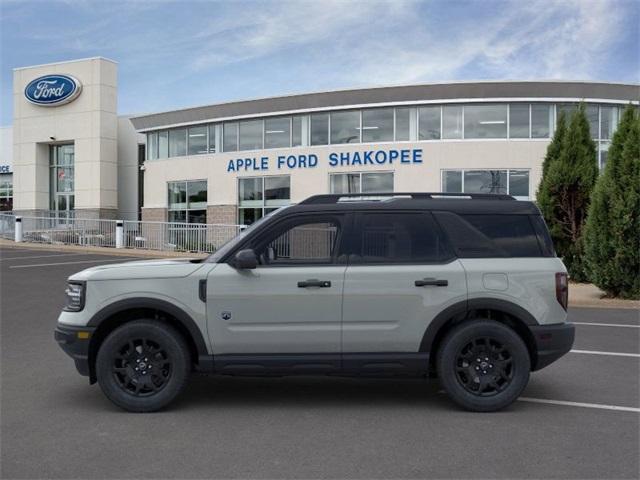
(400, 237)
(403, 124)
(592, 117)
(377, 182)
(345, 183)
(64, 179)
(452, 121)
(608, 122)
(305, 242)
(513, 234)
(604, 152)
(541, 120)
(177, 195)
(178, 216)
(197, 193)
(519, 120)
(246, 216)
(230, 137)
(277, 132)
(377, 125)
(197, 140)
(178, 142)
(251, 135)
(519, 183)
(212, 138)
(568, 109)
(485, 121)
(485, 181)
(277, 191)
(345, 127)
(197, 216)
(429, 123)
(152, 146)
(250, 191)
(320, 129)
(163, 144)
(296, 131)
(452, 181)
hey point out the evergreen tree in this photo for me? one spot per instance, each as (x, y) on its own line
(612, 233)
(555, 147)
(565, 192)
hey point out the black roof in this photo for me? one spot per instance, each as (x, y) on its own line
(458, 203)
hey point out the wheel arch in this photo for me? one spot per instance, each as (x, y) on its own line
(124, 311)
(502, 311)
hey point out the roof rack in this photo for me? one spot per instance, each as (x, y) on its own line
(385, 197)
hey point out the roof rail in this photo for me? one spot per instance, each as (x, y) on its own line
(377, 197)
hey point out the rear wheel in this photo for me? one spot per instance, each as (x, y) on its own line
(483, 365)
(143, 365)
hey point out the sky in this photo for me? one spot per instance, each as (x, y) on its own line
(176, 54)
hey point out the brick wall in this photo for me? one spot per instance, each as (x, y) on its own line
(224, 214)
(154, 214)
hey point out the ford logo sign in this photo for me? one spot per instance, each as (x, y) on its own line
(53, 90)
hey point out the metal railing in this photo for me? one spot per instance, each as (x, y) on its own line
(69, 231)
(7, 226)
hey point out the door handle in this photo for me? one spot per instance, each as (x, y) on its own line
(431, 282)
(314, 283)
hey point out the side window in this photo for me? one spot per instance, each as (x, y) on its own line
(399, 238)
(302, 241)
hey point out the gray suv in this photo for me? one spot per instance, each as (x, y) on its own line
(465, 288)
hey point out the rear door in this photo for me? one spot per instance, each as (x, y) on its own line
(401, 275)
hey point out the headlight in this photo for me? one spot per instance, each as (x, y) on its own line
(75, 297)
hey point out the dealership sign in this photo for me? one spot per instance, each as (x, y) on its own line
(53, 90)
(5, 168)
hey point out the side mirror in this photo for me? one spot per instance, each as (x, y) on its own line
(245, 260)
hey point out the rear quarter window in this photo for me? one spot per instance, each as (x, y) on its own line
(489, 235)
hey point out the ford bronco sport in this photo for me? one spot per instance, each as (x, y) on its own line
(463, 287)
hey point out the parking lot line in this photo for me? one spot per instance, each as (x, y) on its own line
(579, 404)
(606, 324)
(121, 259)
(615, 354)
(41, 256)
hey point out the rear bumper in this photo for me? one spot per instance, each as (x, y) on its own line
(75, 343)
(552, 342)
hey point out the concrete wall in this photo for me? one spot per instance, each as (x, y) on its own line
(89, 122)
(6, 146)
(128, 169)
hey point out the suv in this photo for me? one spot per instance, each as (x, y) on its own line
(463, 287)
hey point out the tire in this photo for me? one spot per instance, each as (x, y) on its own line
(126, 360)
(483, 365)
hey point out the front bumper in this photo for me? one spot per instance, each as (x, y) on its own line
(75, 343)
(552, 342)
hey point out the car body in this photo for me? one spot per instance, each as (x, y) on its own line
(377, 285)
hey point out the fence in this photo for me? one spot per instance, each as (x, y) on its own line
(163, 236)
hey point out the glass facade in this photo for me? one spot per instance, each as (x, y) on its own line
(258, 196)
(377, 125)
(6, 191)
(361, 182)
(508, 182)
(345, 127)
(429, 123)
(485, 121)
(61, 179)
(187, 201)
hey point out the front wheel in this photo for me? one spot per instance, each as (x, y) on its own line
(143, 365)
(483, 365)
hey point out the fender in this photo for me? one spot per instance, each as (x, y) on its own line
(460, 310)
(156, 304)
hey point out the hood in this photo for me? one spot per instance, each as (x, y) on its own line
(140, 269)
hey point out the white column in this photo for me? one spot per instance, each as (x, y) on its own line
(119, 234)
(18, 230)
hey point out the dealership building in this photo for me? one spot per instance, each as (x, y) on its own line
(70, 152)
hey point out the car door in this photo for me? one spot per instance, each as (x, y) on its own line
(291, 303)
(401, 275)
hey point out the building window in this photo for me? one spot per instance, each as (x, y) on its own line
(163, 144)
(403, 124)
(258, 196)
(452, 121)
(358, 182)
(541, 120)
(62, 176)
(510, 182)
(152, 146)
(251, 135)
(377, 125)
(608, 122)
(296, 131)
(277, 132)
(6, 191)
(212, 138)
(429, 123)
(230, 137)
(345, 127)
(197, 140)
(178, 142)
(519, 120)
(320, 129)
(188, 201)
(592, 113)
(485, 121)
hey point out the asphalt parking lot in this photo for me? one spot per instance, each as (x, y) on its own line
(579, 418)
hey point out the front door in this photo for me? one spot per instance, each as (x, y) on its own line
(291, 303)
(400, 277)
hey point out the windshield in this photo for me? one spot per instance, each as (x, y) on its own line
(231, 244)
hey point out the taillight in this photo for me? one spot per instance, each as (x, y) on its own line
(562, 289)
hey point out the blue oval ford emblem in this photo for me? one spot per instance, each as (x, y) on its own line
(52, 90)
